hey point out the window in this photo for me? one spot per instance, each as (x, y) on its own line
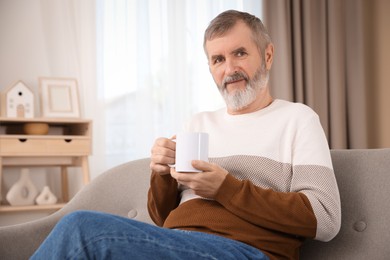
(153, 73)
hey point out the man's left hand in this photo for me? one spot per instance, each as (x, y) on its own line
(205, 183)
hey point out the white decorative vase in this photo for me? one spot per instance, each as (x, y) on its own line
(46, 197)
(23, 192)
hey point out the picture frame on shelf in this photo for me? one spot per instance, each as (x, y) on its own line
(59, 97)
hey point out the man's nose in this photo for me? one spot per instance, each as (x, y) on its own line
(231, 67)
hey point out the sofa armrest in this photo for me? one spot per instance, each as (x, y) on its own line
(119, 191)
(363, 177)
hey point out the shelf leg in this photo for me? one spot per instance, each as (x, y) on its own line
(1, 177)
(85, 169)
(64, 182)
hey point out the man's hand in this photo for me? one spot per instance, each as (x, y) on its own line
(163, 153)
(206, 183)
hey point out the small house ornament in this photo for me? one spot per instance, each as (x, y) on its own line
(18, 101)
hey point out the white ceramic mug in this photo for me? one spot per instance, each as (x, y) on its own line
(191, 146)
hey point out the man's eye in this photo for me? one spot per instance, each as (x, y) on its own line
(240, 53)
(218, 60)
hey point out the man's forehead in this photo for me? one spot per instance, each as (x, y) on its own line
(224, 46)
(227, 50)
(238, 36)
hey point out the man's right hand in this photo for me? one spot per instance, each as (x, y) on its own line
(163, 153)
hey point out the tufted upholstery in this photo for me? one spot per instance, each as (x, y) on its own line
(363, 177)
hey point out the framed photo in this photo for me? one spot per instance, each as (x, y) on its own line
(59, 97)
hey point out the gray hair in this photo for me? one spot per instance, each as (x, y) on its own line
(225, 21)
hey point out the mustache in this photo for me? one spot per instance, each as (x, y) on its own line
(235, 77)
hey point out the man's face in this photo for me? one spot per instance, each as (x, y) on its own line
(236, 66)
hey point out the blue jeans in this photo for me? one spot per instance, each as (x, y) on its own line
(95, 235)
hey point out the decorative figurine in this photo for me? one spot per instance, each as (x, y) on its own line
(23, 192)
(46, 197)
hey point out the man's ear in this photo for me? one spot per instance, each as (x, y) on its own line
(269, 56)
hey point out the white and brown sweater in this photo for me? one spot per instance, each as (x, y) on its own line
(280, 189)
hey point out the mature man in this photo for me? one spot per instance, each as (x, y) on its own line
(268, 186)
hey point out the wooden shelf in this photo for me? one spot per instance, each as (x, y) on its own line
(43, 120)
(57, 126)
(68, 143)
(9, 208)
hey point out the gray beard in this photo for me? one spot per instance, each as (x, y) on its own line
(243, 98)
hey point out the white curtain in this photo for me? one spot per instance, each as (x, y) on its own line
(69, 37)
(152, 71)
(140, 66)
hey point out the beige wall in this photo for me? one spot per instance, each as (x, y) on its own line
(22, 46)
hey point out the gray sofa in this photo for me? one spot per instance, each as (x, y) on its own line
(363, 177)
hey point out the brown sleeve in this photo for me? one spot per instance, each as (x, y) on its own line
(287, 212)
(162, 197)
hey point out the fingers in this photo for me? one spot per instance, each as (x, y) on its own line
(206, 183)
(162, 154)
(159, 168)
(164, 145)
(183, 178)
(203, 166)
(163, 158)
(189, 176)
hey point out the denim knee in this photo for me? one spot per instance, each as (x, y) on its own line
(77, 219)
(77, 216)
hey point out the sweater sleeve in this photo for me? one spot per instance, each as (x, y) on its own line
(280, 211)
(311, 205)
(162, 197)
(313, 176)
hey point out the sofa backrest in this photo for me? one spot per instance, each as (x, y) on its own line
(363, 177)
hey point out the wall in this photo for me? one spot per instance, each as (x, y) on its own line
(24, 55)
(22, 47)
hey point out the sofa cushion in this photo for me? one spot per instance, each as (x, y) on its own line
(363, 177)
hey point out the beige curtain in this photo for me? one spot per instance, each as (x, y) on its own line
(319, 60)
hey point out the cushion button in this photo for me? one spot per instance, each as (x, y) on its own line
(360, 226)
(132, 213)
